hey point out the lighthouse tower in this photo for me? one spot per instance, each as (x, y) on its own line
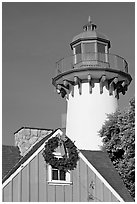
(91, 81)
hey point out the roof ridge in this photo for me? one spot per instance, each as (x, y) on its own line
(33, 128)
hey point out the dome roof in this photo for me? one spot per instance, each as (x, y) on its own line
(90, 33)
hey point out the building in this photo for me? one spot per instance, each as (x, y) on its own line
(45, 165)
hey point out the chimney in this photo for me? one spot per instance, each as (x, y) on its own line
(26, 138)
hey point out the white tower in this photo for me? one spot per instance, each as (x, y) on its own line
(90, 80)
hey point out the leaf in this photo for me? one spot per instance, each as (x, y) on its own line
(118, 133)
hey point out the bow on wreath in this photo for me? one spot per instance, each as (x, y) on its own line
(62, 147)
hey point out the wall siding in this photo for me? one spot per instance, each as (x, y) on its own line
(60, 194)
(16, 188)
(98, 190)
(51, 193)
(68, 193)
(31, 184)
(42, 180)
(83, 182)
(91, 185)
(7, 192)
(113, 198)
(25, 184)
(76, 184)
(34, 180)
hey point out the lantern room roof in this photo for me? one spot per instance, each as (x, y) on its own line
(90, 33)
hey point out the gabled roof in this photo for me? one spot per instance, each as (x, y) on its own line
(104, 166)
(98, 159)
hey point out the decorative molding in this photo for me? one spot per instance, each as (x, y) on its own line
(101, 71)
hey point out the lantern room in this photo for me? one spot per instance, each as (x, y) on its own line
(91, 62)
(90, 45)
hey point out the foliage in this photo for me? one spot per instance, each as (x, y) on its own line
(118, 135)
(64, 163)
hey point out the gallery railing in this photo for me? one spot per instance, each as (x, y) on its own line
(90, 60)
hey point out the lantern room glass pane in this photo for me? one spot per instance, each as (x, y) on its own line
(78, 49)
(89, 47)
(101, 47)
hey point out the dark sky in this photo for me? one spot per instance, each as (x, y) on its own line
(34, 37)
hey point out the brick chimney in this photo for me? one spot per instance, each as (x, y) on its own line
(26, 138)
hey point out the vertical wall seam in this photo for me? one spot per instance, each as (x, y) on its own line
(79, 183)
(87, 185)
(103, 191)
(38, 174)
(21, 186)
(3, 195)
(46, 183)
(64, 192)
(12, 190)
(111, 197)
(72, 184)
(55, 193)
(95, 187)
(29, 179)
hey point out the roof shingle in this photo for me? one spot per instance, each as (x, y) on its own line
(10, 157)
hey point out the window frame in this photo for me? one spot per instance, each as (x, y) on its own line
(58, 174)
(67, 181)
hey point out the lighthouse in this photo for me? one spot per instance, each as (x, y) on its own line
(91, 81)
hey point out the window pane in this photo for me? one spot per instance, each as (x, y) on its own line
(89, 47)
(78, 49)
(101, 47)
(62, 175)
(54, 174)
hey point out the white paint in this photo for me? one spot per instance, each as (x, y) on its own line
(86, 114)
(58, 182)
(101, 177)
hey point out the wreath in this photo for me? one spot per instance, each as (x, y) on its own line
(68, 161)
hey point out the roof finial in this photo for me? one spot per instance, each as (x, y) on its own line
(89, 19)
(89, 25)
